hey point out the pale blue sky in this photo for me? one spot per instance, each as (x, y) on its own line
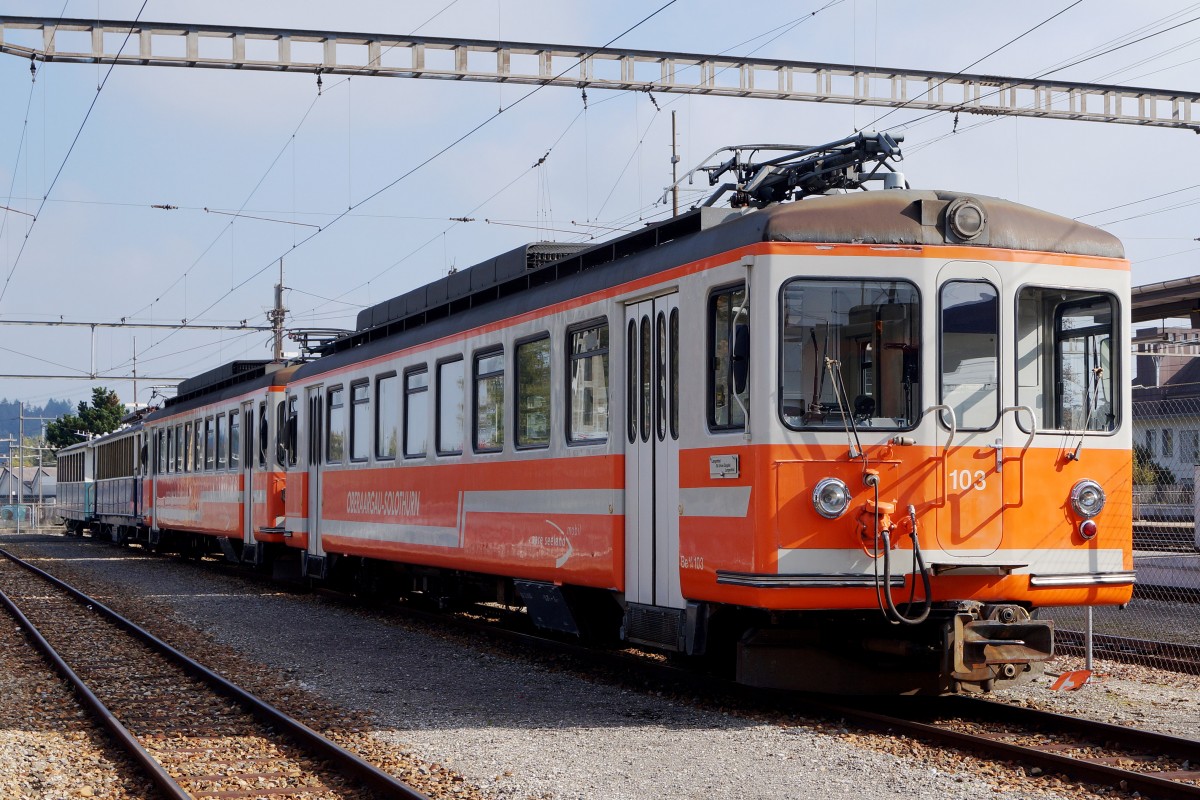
(201, 139)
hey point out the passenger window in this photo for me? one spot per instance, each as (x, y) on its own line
(728, 357)
(187, 442)
(489, 402)
(631, 381)
(264, 436)
(1066, 372)
(387, 417)
(674, 348)
(222, 443)
(416, 412)
(450, 407)
(970, 348)
(198, 445)
(235, 439)
(587, 393)
(360, 415)
(335, 427)
(180, 438)
(210, 450)
(533, 393)
(285, 432)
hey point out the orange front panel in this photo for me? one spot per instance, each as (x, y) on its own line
(1034, 529)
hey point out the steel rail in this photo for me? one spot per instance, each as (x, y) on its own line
(1094, 733)
(365, 772)
(165, 783)
(1184, 658)
(581, 67)
(1147, 784)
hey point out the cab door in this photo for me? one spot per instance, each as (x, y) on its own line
(970, 517)
(652, 455)
(315, 560)
(252, 498)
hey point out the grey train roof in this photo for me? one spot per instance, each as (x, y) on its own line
(529, 277)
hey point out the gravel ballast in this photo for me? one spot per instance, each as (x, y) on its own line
(477, 720)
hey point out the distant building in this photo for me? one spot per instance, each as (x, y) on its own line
(1166, 397)
(28, 484)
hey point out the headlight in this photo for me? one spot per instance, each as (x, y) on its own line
(1087, 498)
(830, 498)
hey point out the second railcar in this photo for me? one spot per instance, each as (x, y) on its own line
(217, 483)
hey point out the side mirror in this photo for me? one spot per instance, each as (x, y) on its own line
(741, 357)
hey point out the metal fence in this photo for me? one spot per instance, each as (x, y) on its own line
(28, 515)
(1161, 626)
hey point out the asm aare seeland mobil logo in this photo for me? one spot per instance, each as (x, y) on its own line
(384, 504)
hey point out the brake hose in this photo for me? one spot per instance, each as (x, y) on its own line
(918, 565)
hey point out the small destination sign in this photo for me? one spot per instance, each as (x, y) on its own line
(723, 466)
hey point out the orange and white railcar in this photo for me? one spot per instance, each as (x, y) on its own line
(854, 441)
(741, 423)
(217, 480)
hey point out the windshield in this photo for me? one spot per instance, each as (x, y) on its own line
(871, 328)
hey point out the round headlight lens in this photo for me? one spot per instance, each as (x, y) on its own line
(831, 497)
(1087, 498)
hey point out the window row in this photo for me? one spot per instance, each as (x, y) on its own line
(119, 458)
(851, 349)
(423, 406)
(70, 468)
(212, 443)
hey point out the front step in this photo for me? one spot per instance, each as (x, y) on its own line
(680, 630)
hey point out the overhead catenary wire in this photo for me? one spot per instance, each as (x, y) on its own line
(1108, 47)
(24, 138)
(1000, 115)
(1137, 202)
(288, 143)
(981, 59)
(784, 28)
(67, 157)
(425, 162)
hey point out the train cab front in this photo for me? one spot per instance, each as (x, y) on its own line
(950, 456)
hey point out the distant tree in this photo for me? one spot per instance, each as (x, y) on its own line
(30, 446)
(1147, 471)
(102, 416)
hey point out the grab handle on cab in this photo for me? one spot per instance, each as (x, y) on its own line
(953, 426)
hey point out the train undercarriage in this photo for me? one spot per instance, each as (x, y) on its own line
(962, 647)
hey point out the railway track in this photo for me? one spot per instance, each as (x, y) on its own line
(195, 734)
(1042, 743)
(1183, 658)
(1115, 757)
